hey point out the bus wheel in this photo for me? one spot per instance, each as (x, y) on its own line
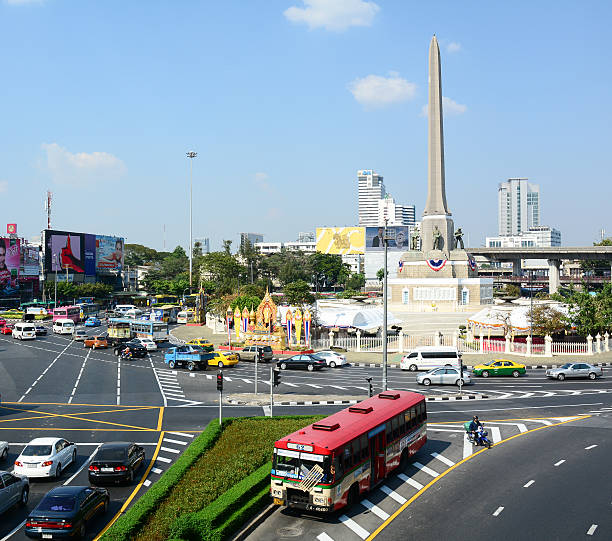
(353, 495)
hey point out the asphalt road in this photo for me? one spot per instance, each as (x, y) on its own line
(53, 386)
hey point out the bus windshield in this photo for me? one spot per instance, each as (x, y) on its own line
(294, 465)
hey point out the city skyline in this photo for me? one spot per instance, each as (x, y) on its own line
(105, 124)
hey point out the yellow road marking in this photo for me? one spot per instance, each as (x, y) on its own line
(434, 481)
(75, 404)
(44, 414)
(160, 418)
(134, 492)
(80, 429)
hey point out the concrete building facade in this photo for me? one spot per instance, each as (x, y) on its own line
(518, 206)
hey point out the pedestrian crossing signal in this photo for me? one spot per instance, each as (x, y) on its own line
(219, 381)
(276, 378)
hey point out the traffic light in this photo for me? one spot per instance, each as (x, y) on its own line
(219, 381)
(260, 355)
(276, 377)
(370, 390)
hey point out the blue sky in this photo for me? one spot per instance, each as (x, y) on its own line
(284, 100)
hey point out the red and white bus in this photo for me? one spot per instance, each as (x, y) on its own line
(328, 464)
(67, 312)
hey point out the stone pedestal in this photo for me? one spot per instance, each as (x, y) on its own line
(446, 227)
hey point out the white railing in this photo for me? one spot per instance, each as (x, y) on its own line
(569, 348)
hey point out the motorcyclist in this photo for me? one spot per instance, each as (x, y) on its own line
(475, 425)
(127, 353)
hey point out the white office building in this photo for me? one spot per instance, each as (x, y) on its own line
(371, 190)
(395, 213)
(537, 237)
(277, 247)
(519, 206)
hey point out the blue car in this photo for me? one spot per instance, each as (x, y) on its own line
(92, 322)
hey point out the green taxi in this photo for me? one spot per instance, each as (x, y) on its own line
(499, 367)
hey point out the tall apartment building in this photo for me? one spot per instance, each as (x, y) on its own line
(252, 238)
(395, 213)
(518, 206)
(371, 190)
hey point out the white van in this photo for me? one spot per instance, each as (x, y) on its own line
(63, 326)
(132, 313)
(24, 331)
(428, 357)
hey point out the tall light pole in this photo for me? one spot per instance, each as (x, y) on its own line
(191, 155)
(384, 363)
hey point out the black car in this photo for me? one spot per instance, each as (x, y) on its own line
(40, 330)
(307, 361)
(136, 348)
(65, 511)
(115, 462)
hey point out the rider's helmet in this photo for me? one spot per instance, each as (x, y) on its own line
(475, 417)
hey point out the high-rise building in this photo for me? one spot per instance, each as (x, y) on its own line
(519, 206)
(371, 190)
(306, 236)
(251, 238)
(396, 214)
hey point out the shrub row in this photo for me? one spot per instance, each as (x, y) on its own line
(223, 516)
(128, 524)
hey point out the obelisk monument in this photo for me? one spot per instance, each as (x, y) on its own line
(437, 225)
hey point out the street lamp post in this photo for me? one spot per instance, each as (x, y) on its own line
(384, 363)
(530, 304)
(191, 155)
(55, 297)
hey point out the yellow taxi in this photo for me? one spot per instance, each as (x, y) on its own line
(202, 342)
(223, 358)
(499, 367)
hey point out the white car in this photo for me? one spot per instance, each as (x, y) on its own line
(149, 344)
(332, 358)
(45, 457)
(4, 448)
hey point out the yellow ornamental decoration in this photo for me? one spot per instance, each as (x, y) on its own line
(297, 319)
(237, 322)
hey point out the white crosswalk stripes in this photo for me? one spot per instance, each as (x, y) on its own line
(394, 495)
(375, 509)
(443, 459)
(410, 481)
(350, 523)
(168, 452)
(426, 469)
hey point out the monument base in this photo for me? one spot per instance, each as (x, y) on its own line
(439, 280)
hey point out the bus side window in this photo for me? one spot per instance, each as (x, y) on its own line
(424, 406)
(365, 447)
(356, 451)
(402, 427)
(407, 420)
(338, 466)
(395, 426)
(389, 430)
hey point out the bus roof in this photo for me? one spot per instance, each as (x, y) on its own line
(337, 429)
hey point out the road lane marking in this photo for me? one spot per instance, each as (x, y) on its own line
(118, 381)
(157, 471)
(425, 469)
(525, 408)
(410, 481)
(44, 372)
(170, 450)
(182, 434)
(498, 511)
(495, 434)
(522, 427)
(443, 459)
(592, 529)
(76, 384)
(146, 483)
(528, 484)
(590, 447)
(158, 382)
(135, 491)
(543, 421)
(449, 470)
(468, 447)
(324, 537)
(84, 464)
(314, 387)
(178, 442)
(375, 509)
(392, 494)
(163, 459)
(350, 523)
(559, 463)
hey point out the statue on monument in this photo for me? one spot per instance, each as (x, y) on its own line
(459, 239)
(414, 239)
(437, 239)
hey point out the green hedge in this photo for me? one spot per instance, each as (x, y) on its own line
(230, 510)
(128, 524)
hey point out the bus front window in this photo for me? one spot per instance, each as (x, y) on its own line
(286, 466)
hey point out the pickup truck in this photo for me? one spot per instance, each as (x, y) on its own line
(193, 357)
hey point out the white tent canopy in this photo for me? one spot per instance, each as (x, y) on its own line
(514, 315)
(365, 318)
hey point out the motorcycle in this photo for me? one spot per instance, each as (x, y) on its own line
(481, 437)
(126, 355)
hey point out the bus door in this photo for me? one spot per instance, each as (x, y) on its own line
(377, 458)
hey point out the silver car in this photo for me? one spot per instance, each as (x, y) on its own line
(444, 375)
(79, 334)
(13, 489)
(575, 370)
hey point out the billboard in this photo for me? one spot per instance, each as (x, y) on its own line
(109, 254)
(340, 240)
(9, 266)
(64, 251)
(28, 261)
(398, 238)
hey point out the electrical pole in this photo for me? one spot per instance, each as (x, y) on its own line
(384, 363)
(191, 155)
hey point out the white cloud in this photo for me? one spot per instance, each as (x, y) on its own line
(82, 168)
(3, 186)
(22, 2)
(449, 107)
(261, 179)
(337, 15)
(377, 91)
(453, 47)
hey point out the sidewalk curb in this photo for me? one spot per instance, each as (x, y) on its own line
(350, 402)
(254, 523)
